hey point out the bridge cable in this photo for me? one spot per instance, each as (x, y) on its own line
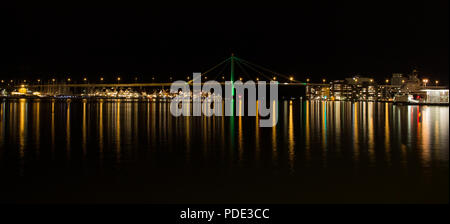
(214, 67)
(221, 72)
(266, 69)
(252, 68)
(243, 70)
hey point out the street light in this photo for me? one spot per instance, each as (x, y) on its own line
(274, 78)
(307, 80)
(101, 78)
(53, 80)
(85, 79)
(324, 80)
(437, 82)
(387, 80)
(291, 78)
(68, 79)
(425, 81)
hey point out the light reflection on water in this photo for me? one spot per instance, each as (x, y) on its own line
(111, 135)
(305, 126)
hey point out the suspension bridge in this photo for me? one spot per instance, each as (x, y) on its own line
(236, 68)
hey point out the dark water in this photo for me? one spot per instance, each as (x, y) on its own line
(135, 151)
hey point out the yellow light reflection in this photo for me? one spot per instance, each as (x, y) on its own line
(274, 133)
(22, 128)
(387, 138)
(324, 132)
(53, 127)
(337, 126)
(117, 124)
(188, 134)
(291, 142)
(371, 143)
(356, 152)
(100, 129)
(2, 124)
(307, 133)
(83, 129)
(68, 129)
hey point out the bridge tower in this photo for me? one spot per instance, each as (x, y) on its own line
(232, 73)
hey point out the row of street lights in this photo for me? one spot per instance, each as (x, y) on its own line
(291, 78)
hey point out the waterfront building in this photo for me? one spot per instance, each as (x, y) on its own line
(398, 79)
(398, 88)
(363, 88)
(340, 90)
(354, 88)
(436, 95)
(315, 91)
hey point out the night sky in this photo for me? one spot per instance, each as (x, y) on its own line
(316, 40)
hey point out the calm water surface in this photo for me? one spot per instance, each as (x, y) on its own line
(136, 151)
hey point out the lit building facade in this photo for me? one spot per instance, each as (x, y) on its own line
(395, 89)
(436, 96)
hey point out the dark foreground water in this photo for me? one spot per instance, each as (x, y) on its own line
(135, 151)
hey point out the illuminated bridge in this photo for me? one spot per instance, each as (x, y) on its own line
(237, 68)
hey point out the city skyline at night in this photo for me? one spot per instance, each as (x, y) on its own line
(225, 112)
